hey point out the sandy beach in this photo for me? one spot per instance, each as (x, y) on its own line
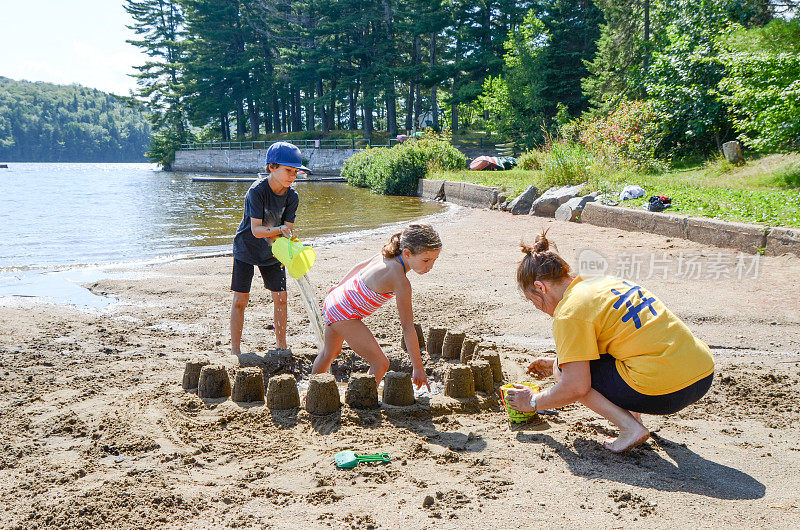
(97, 431)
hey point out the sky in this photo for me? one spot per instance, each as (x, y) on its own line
(68, 41)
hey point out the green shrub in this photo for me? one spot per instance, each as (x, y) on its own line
(566, 163)
(629, 134)
(789, 176)
(396, 170)
(530, 160)
(718, 165)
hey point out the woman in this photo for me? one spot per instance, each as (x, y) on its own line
(619, 350)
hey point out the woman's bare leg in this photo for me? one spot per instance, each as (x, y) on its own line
(361, 340)
(631, 431)
(332, 347)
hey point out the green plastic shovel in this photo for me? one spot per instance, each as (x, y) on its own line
(348, 459)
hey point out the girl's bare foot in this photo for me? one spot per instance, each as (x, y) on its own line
(627, 439)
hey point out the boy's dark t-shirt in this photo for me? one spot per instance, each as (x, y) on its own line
(273, 210)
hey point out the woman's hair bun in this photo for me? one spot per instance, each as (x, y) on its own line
(541, 244)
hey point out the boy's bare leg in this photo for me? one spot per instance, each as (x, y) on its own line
(237, 320)
(631, 431)
(279, 303)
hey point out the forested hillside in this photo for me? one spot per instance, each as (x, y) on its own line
(42, 122)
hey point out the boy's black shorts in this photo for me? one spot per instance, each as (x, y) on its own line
(607, 381)
(274, 276)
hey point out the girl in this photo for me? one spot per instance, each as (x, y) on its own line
(619, 350)
(368, 286)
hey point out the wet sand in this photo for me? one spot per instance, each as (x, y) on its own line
(98, 432)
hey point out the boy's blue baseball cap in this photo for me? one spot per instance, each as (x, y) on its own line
(285, 154)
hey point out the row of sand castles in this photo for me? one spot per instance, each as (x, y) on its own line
(480, 374)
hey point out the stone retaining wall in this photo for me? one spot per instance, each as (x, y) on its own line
(321, 161)
(462, 193)
(744, 237)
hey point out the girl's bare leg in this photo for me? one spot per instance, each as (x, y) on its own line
(360, 338)
(331, 349)
(631, 431)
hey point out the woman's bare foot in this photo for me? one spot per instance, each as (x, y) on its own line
(627, 439)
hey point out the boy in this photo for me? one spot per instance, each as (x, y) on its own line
(269, 211)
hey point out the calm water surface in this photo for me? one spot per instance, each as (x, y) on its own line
(60, 224)
(75, 214)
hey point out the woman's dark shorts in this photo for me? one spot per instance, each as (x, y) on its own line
(274, 276)
(607, 381)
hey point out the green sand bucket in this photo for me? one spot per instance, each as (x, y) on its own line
(296, 257)
(516, 416)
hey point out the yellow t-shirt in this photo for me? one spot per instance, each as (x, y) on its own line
(655, 352)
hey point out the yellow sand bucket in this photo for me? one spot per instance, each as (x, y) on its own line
(516, 416)
(296, 257)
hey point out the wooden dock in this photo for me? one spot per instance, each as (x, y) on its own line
(253, 179)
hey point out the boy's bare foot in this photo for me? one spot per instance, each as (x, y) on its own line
(627, 439)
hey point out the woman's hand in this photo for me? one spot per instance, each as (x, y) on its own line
(419, 377)
(519, 398)
(541, 367)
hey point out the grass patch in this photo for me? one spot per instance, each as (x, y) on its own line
(763, 191)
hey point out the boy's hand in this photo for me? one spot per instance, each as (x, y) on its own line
(541, 367)
(419, 377)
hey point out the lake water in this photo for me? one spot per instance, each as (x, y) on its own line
(70, 216)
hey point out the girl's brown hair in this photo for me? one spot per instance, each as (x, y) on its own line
(415, 237)
(540, 263)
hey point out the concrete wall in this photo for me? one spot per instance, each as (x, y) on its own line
(462, 193)
(321, 161)
(744, 237)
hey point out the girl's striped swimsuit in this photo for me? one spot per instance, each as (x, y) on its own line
(353, 300)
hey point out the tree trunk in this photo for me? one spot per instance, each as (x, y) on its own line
(417, 94)
(223, 126)
(646, 35)
(241, 126)
(332, 110)
(276, 113)
(352, 100)
(434, 103)
(410, 107)
(368, 105)
(321, 106)
(310, 126)
(454, 117)
(252, 113)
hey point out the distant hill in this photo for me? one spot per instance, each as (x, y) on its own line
(43, 122)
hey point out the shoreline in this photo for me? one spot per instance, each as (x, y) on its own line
(95, 398)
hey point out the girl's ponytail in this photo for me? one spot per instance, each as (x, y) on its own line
(392, 248)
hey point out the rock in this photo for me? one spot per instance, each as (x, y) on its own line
(548, 203)
(428, 501)
(732, 151)
(362, 392)
(482, 375)
(468, 350)
(571, 210)
(323, 395)
(282, 392)
(522, 204)
(420, 338)
(458, 382)
(248, 386)
(191, 375)
(277, 361)
(397, 389)
(435, 340)
(213, 382)
(494, 361)
(451, 349)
